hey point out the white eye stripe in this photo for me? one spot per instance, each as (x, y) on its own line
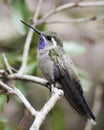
(54, 42)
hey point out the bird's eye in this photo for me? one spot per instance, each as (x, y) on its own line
(48, 38)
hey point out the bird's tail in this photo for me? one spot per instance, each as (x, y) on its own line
(74, 95)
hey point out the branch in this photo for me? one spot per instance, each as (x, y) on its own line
(39, 115)
(28, 41)
(7, 64)
(35, 18)
(68, 6)
(96, 105)
(56, 94)
(79, 20)
(28, 78)
(17, 92)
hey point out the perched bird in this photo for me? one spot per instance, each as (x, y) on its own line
(57, 67)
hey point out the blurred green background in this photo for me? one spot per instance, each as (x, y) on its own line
(83, 41)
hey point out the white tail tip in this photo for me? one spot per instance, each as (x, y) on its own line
(93, 122)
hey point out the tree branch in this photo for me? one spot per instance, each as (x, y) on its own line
(39, 115)
(79, 20)
(7, 64)
(70, 5)
(35, 18)
(28, 78)
(56, 94)
(17, 92)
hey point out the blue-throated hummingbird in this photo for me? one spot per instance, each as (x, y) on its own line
(57, 67)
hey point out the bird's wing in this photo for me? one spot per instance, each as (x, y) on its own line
(63, 63)
(66, 75)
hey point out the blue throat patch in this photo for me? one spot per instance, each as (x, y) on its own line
(41, 44)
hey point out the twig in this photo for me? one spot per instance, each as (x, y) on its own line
(56, 94)
(28, 41)
(28, 78)
(90, 3)
(17, 92)
(55, 10)
(7, 64)
(80, 20)
(96, 105)
(35, 18)
(68, 6)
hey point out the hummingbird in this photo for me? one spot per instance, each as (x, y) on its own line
(57, 67)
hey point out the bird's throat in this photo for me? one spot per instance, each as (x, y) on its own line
(42, 42)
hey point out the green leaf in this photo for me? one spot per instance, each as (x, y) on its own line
(74, 48)
(57, 117)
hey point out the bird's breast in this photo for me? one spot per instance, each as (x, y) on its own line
(46, 66)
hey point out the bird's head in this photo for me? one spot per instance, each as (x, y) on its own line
(47, 39)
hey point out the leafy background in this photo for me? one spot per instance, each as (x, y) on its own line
(84, 42)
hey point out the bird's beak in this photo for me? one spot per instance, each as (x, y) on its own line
(31, 27)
